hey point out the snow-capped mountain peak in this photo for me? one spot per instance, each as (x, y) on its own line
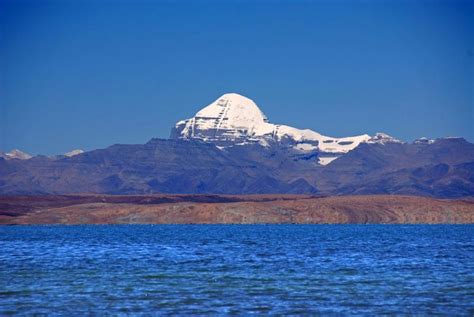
(233, 119)
(383, 138)
(16, 154)
(234, 110)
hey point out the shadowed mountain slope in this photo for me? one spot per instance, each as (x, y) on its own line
(444, 168)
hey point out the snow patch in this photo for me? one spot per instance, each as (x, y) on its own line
(326, 160)
(16, 154)
(73, 153)
(382, 138)
(423, 140)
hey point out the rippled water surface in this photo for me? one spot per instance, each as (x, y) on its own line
(220, 269)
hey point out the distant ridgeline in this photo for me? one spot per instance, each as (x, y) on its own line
(230, 147)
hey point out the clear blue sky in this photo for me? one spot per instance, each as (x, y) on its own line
(88, 74)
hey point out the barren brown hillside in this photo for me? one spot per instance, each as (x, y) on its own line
(162, 209)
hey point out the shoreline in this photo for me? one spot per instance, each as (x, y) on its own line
(233, 209)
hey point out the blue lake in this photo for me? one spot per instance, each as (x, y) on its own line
(237, 269)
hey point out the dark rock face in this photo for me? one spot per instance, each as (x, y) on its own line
(159, 166)
(444, 168)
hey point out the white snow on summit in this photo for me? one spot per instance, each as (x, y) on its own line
(73, 153)
(234, 111)
(15, 154)
(234, 119)
(423, 140)
(383, 138)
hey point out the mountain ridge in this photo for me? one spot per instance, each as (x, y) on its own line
(209, 162)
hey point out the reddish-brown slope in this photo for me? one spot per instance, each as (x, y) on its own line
(232, 209)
